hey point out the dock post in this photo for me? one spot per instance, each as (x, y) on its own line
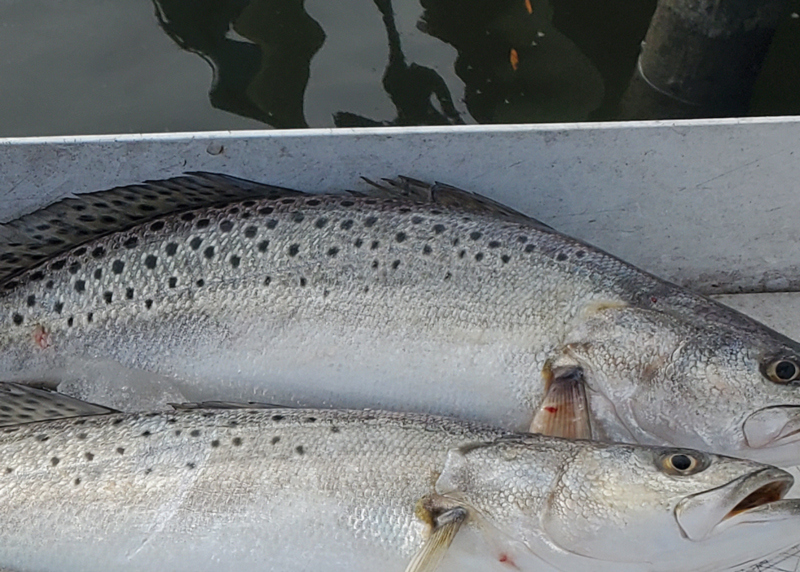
(700, 58)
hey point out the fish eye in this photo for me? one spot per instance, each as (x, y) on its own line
(682, 464)
(782, 371)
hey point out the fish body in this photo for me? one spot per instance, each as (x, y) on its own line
(293, 490)
(442, 306)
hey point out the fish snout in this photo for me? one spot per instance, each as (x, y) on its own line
(700, 515)
(772, 427)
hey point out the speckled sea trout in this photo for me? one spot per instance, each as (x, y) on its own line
(296, 490)
(430, 299)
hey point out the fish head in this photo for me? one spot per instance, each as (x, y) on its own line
(731, 387)
(626, 505)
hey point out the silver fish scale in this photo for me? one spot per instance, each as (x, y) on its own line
(142, 483)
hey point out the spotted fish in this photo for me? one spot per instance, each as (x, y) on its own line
(293, 490)
(412, 298)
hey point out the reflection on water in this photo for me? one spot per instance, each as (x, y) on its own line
(514, 64)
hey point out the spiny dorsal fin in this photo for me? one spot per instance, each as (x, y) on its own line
(448, 196)
(226, 405)
(21, 404)
(26, 241)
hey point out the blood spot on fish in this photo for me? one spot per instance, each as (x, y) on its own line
(275, 440)
(320, 222)
(395, 264)
(203, 223)
(551, 409)
(17, 319)
(250, 231)
(129, 293)
(299, 449)
(561, 257)
(226, 226)
(172, 282)
(653, 299)
(237, 441)
(54, 461)
(375, 244)
(333, 251)
(426, 249)
(150, 261)
(215, 443)
(347, 224)
(89, 456)
(120, 450)
(294, 249)
(171, 248)
(263, 245)
(195, 242)
(235, 261)
(209, 252)
(479, 256)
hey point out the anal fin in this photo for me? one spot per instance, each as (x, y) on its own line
(564, 411)
(21, 404)
(445, 528)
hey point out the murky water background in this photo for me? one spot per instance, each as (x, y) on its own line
(103, 66)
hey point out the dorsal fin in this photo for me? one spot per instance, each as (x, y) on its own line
(21, 404)
(26, 241)
(448, 196)
(226, 405)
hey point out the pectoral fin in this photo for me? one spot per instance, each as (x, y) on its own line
(445, 527)
(564, 411)
(20, 404)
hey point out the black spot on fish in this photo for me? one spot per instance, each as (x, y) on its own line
(190, 465)
(49, 285)
(277, 417)
(272, 223)
(54, 461)
(40, 438)
(77, 481)
(265, 210)
(494, 244)
(215, 443)
(172, 282)
(313, 202)
(416, 219)
(275, 440)
(80, 286)
(148, 304)
(79, 251)
(505, 258)
(310, 419)
(294, 249)
(17, 319)
(74, 267)
(438, 228)
(347, 203)
(475, 235)
(237, 441)
(178, 432)
(400, 236)
(98, 274)
(131, 242)
(235, 260)
(158, 225)
(530, 248)
(200, 283)
(120, 450)
(333, 251)
(370, 221)
(448, 276)
(479, 256)
(209, 252)
(195, 242)
(195, 433)
(358, 243)
(81, 436)
(98, 252)
(146, 433)
(320, 222)
(38, 275)
(9, 470)
(299, 449)
(298, 217)
(375, 263)
(462, 253)
(287, 201)
(426, 249)
(347, 224)
(455, 241)
(108, 296)
(522, 239)
(116, 421)
(150, 261)
(129, 293)
(89, 456)
(375, 244)
(561, 256)
(90, 317)
(171, 248)
(188, 217)
(580, 254)
(263, 245)
(117, 266)
(334, 429)
(395, 264)
(148, 471)
(203, 223)
(302, 282)
(267, 280)
(31, 301)
(250, 231)
(226, 226)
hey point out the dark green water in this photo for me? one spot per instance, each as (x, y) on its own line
(116, 66)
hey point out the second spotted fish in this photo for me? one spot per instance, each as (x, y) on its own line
(426, 299)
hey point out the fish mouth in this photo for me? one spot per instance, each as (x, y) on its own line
(748, 498)
(772, 426)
